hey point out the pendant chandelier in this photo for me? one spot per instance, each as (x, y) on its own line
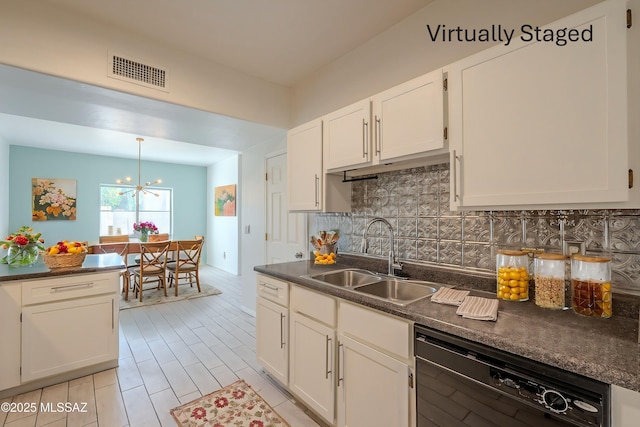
(139, 188)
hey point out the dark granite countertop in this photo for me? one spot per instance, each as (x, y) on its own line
(603, 349)
(91, 264)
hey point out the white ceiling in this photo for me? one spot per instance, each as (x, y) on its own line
(281, 41)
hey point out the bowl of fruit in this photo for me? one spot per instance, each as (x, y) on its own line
(65, 254)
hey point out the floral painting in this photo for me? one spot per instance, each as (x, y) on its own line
(225, 204)
(53, 199)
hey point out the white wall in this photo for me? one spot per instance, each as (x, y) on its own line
(253, 205)
(405, 50)
(4, 188)
(222, 231)
(39, 36)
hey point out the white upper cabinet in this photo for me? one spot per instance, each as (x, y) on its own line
(347, 137)
(304, 165)
(405, 122)
(310, 189)
(408, 119)
(540, 125)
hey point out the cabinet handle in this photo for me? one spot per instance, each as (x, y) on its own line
(365, 138)
(378, 135)
(454, 162)
(282, 343)
(270, 287)
(113, 317)
(317, 190)
(327, 355)
(72, 287)
(340, 352)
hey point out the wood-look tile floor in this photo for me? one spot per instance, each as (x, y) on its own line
(170, 354)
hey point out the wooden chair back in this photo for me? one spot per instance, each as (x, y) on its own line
(153, 257)
(161, 237)
(112, 248)
(198, 237)
(114, 239)
(188, 254)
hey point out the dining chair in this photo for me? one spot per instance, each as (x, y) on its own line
(121, 249)
(186, 264)
(158, 237)
(152, 268)
(114, 239)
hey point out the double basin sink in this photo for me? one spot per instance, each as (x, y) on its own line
(388, 288)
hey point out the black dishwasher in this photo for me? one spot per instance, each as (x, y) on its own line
(463, 383)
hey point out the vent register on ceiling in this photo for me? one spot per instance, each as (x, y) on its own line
(137, 72)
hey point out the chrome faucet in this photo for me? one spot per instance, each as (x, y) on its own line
(393, 261)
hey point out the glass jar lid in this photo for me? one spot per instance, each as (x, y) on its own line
(511, 252)
(586, 258)
(555, 257)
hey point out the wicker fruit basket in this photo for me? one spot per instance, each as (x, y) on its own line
(63, 260)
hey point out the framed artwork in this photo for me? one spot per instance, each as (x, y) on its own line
(53, 199)
(225, 200)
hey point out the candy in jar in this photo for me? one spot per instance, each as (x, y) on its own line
(512, 268)
(591, 286)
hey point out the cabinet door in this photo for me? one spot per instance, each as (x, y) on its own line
(304, 166)
(543, 125)
(62, 336)
(272, 338)
(409, 119)
(625, 407)
(373, 388)
(347, 137)
(311, 364)
(10, 296)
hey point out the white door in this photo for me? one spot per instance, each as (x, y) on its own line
(286, 232)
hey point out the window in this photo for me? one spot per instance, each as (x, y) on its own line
(119, 212)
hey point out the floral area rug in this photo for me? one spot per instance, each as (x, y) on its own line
(234, 405)
(156, 296)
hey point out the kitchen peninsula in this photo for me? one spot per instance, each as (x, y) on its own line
(58, 324)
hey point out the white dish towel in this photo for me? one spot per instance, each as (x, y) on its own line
(478, 308)
(449, 296)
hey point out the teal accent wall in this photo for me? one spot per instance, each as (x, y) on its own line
(189, 184)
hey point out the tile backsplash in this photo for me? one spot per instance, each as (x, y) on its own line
(416, 203)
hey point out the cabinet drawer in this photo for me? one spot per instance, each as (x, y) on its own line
(272, 289)
(68, 287)
(314, 305)
(385, 332)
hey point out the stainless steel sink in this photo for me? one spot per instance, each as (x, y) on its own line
(349, 278)
(400, 292)
(388, 288)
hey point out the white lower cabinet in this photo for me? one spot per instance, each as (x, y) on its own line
(271, 338)
(67, 335)
(625, 407)
(351, 365)
(312, 354)
(272, 319)
(373, 388)
(311, 364)
(375, 384)
(53, 326)
(10, 308)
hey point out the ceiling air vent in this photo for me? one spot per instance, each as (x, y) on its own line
(137, 72)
